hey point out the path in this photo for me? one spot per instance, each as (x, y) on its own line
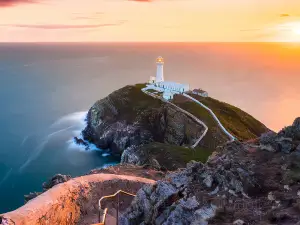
(183, 111)
(232, 138)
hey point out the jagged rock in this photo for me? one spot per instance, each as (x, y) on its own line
(162, 192)
(31, 196)
(285, 144)
(179, 216)
(296, 123)
(190, 203)
(267, 148)
(180, 179)
(268, 137)
(286, 187)
(57, 179)
(239, 222)
(79, 141)
(214, 192)
(208, 181)
(206, 212)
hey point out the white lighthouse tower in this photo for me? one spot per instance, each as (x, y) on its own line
(160, 69)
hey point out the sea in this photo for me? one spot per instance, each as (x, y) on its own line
(46, 90)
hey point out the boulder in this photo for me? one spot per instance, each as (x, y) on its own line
(296, 123)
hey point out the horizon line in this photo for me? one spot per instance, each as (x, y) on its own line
(137, 42)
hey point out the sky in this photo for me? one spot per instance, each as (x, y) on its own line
(150, 20)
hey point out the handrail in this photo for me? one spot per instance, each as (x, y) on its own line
(103, 219)
(104, 215)
(111, 196)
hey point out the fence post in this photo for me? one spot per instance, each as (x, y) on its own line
(118, 202)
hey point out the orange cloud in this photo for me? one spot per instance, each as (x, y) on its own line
(8, 3)
(141, 0)
(284, 15)
(62, 26)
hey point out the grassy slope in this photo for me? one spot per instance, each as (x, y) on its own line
(214, 136)
(236, 121)
(131, 101)
(172, 157)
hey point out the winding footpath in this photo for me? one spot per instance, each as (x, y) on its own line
(232, 138)
(183, 111)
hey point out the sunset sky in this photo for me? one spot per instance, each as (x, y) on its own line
(156, 20)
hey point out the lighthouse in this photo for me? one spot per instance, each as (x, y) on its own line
(160, 69)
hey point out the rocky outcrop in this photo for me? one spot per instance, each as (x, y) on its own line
(74, 201)
(128, 118)
(286, 140)
(241, 183)
(56, 179)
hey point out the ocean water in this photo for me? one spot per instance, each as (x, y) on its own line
(46, 90)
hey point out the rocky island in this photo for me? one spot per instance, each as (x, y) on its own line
(144, 130)
(251, 180)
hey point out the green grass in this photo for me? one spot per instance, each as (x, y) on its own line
(215, 136)
(236, 121)
(172, 157)
(152, 91)
(140, 86)
(134, 99)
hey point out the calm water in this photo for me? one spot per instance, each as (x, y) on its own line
(45, 90)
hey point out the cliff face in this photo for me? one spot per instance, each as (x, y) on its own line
(128, 118)
(255, 182)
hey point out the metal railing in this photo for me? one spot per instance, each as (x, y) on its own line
(106, 209)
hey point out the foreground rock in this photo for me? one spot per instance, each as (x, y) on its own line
(57, 179)
(242, 183)
(72, 202)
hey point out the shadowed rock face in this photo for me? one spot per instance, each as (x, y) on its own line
(128, 118)
(241, 183)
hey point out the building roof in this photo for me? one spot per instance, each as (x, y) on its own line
(199, 91)
(173, 84)
(168, 93)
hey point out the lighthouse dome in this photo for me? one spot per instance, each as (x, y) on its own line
(160, 59)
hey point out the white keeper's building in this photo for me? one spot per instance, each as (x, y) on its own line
(168, 88)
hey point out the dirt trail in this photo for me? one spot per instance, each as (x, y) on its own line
(75, 201)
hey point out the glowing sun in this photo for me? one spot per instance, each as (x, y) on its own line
(288, 32)
(296, 29)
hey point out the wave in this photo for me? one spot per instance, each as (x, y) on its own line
(74, 123)
(78, 117)
(41, 147)
(74, 146)
(6, 176)
(24, 140)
